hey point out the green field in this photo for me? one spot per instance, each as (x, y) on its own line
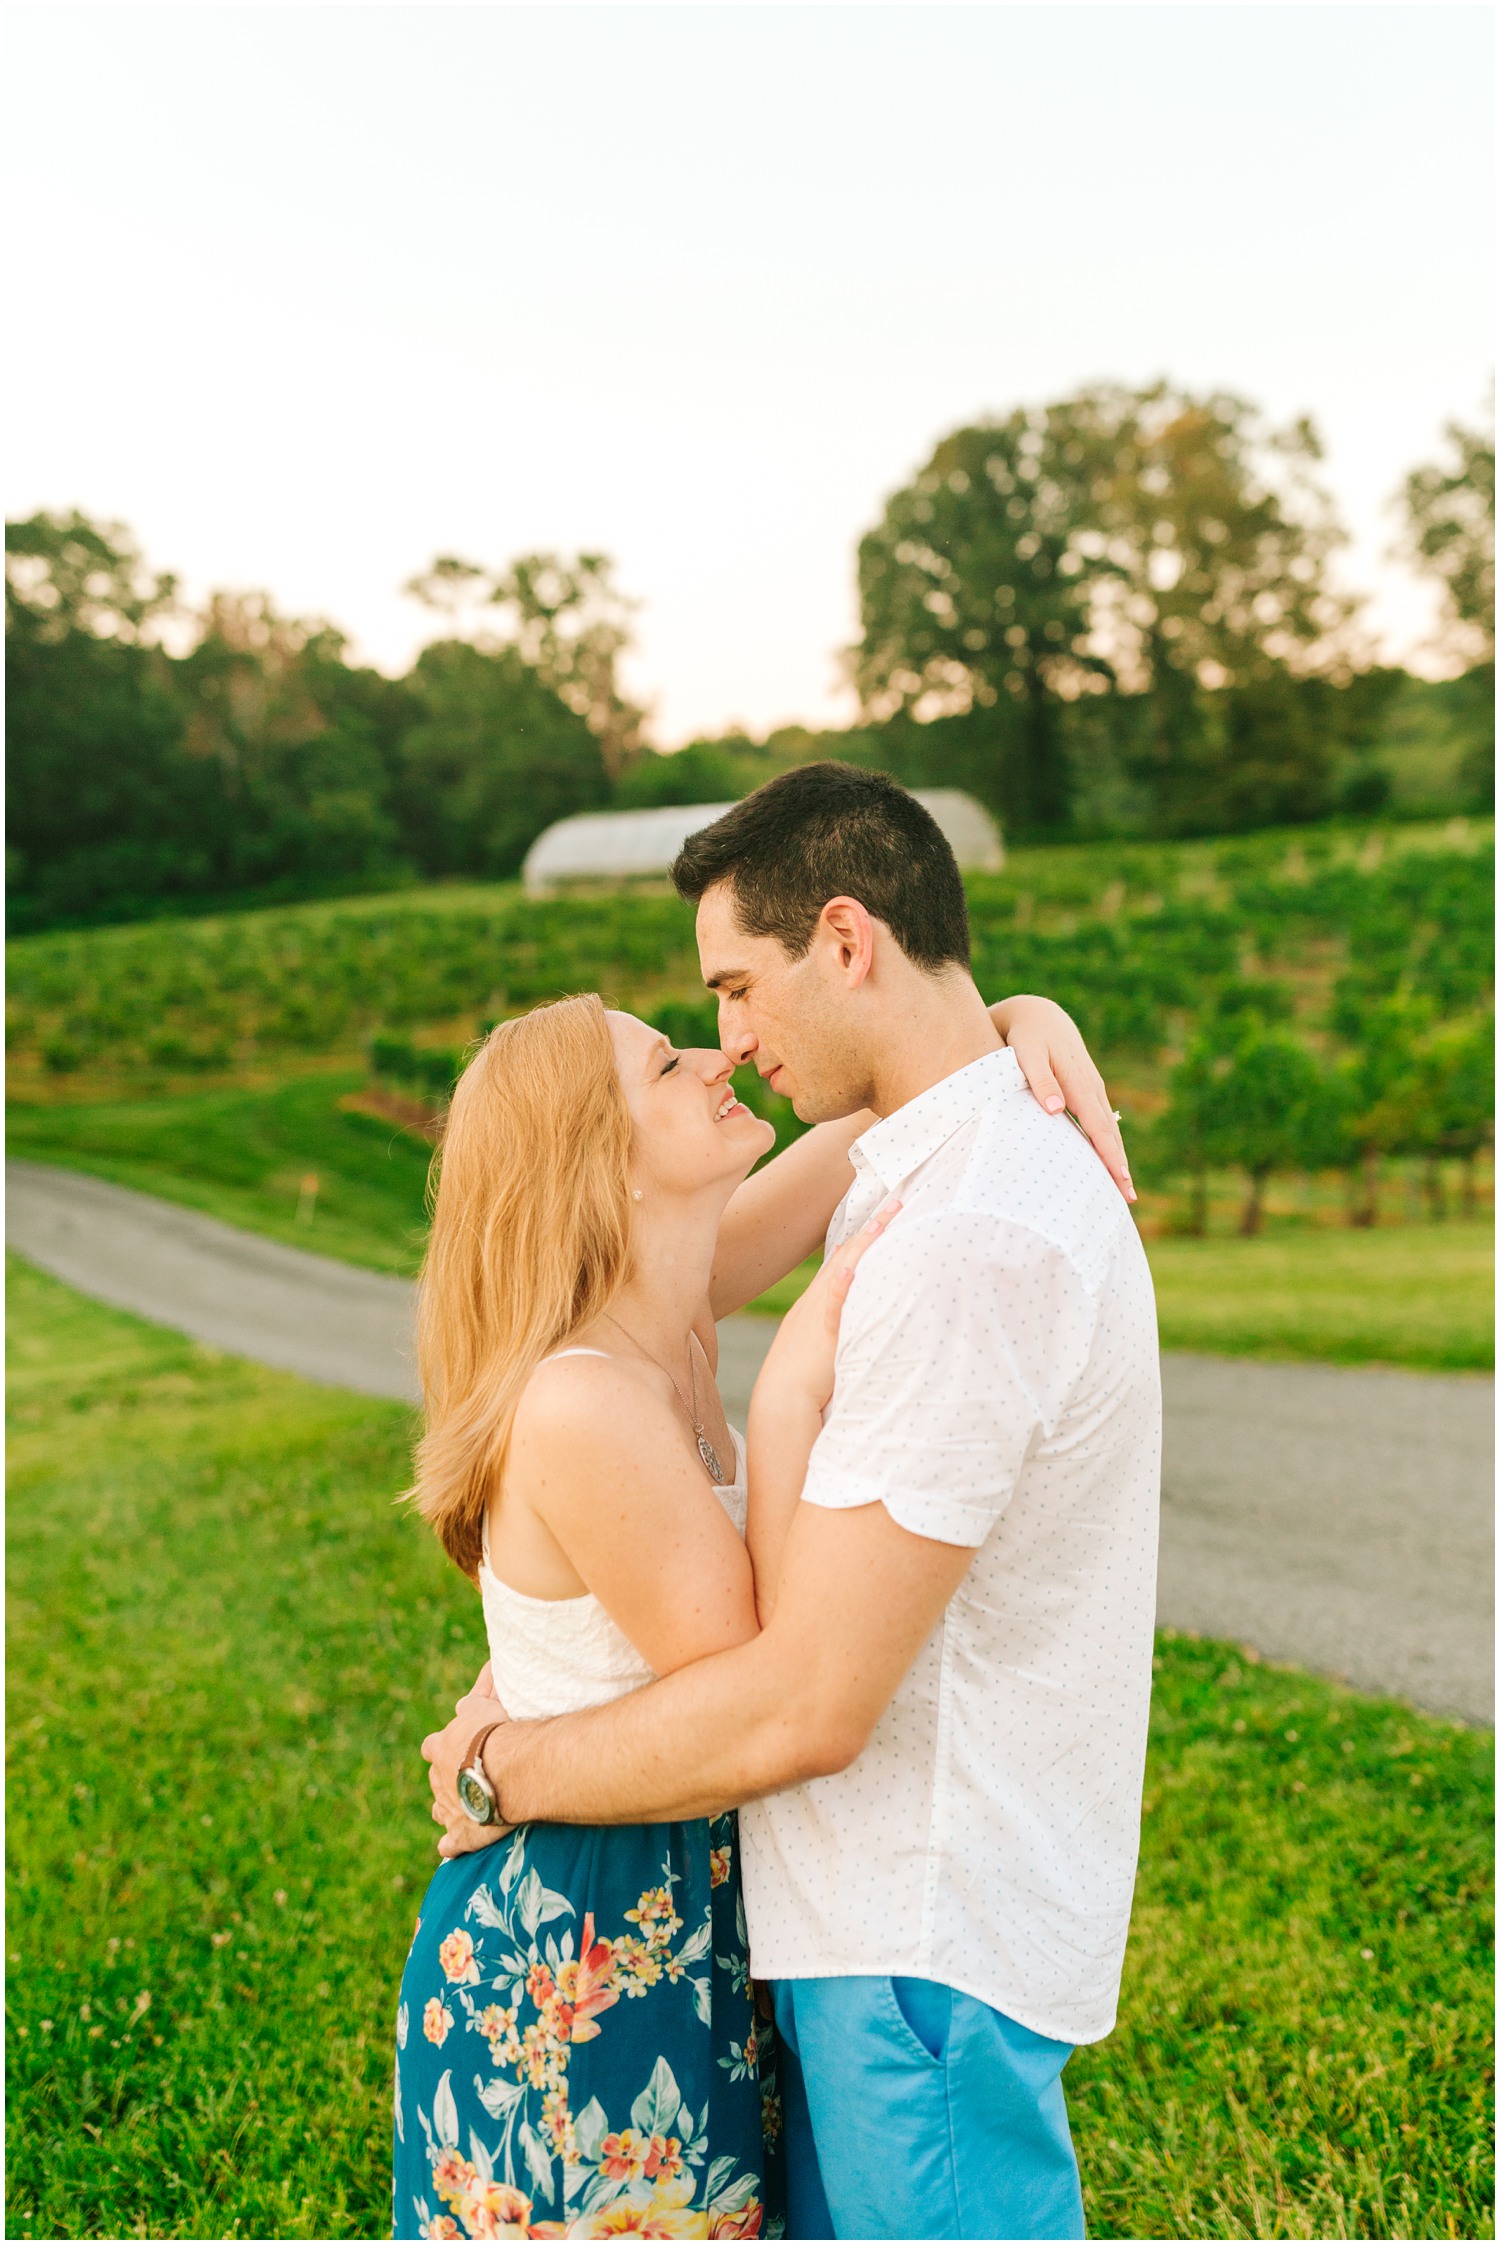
(213, 1060)
(1419, 1294)
(226, 1639)
(242, 1155)
(1420, 1298)
(226, 1642)
(1137, 938)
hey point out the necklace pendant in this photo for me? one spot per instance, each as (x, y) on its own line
(710, 1456)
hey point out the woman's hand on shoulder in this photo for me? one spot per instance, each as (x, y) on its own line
(1058, 1067)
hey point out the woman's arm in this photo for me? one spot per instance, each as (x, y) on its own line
(782, 1431)
(780, 1215)
(786, 1409)
(1056, 1064)
(635, 1517)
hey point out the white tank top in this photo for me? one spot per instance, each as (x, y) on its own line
(552, 1656)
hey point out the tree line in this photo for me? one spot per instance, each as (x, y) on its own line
(1120, 604)
(1252, 1095)
(161, 759)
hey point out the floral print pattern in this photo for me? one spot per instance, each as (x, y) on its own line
(591, 2062)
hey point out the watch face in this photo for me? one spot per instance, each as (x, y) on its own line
(474, 1797)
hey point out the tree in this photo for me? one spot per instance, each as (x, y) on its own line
(66, 574)
(103, 805)
(1440, 1101)
(493, 757)
(1378, 1090)
(1218, 617)
(706, 771)
(259, 758)
(1449, 509)
(1170, 545)
(1184, 1137)
(248, 681)
(1202, 1129)
(1268, 1111)
(1463, 1066)
(976, 594)
(1449, 532)
(102, 801)
(729, 765)
(1219, 536)
(273, 704)
(568, 620)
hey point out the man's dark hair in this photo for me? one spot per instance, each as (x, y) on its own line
(827, 830)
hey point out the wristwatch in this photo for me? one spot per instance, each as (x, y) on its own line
(476, 1795)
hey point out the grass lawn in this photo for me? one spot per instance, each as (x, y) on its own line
(1414, 1294)
(1418, 1294)
(241, 1155)
(225, 1646)
(1421, 1295)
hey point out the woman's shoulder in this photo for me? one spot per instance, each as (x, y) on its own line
(576, 1394)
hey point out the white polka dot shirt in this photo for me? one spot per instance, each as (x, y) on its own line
(997, 1386)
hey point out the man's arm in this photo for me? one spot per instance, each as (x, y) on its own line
(859, 1598)
(907, 1478)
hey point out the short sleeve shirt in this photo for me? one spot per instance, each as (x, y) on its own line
(997, 1387)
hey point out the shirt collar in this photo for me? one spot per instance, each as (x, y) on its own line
(898, 1145)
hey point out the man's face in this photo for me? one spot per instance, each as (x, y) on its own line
(792, 1017)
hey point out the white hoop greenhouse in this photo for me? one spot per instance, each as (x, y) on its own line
(640, 845)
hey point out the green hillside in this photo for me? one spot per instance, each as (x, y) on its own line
(274, 1068)
(1136, 938)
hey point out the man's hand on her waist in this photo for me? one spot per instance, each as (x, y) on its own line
(445, 1752)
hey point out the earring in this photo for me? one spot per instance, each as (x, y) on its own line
(638, 1194)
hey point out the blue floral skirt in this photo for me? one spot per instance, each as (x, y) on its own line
(579, 2050)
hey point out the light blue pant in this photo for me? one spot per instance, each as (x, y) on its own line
(915, 2112)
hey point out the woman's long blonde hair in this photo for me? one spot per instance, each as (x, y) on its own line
(530, 1242)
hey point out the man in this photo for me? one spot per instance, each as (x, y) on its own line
(941, 1728)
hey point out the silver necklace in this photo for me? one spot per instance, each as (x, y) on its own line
(706, 1450)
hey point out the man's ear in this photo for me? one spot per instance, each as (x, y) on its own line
(848, 925)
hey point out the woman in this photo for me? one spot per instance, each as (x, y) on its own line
(579, 2048)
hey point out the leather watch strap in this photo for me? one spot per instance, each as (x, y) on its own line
(472, 1760)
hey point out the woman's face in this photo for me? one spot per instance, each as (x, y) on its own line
(688, 1130)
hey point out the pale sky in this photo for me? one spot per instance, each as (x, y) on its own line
(308, 295)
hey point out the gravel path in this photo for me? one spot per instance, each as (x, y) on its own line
(303, 1313)
(1340, 1519)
